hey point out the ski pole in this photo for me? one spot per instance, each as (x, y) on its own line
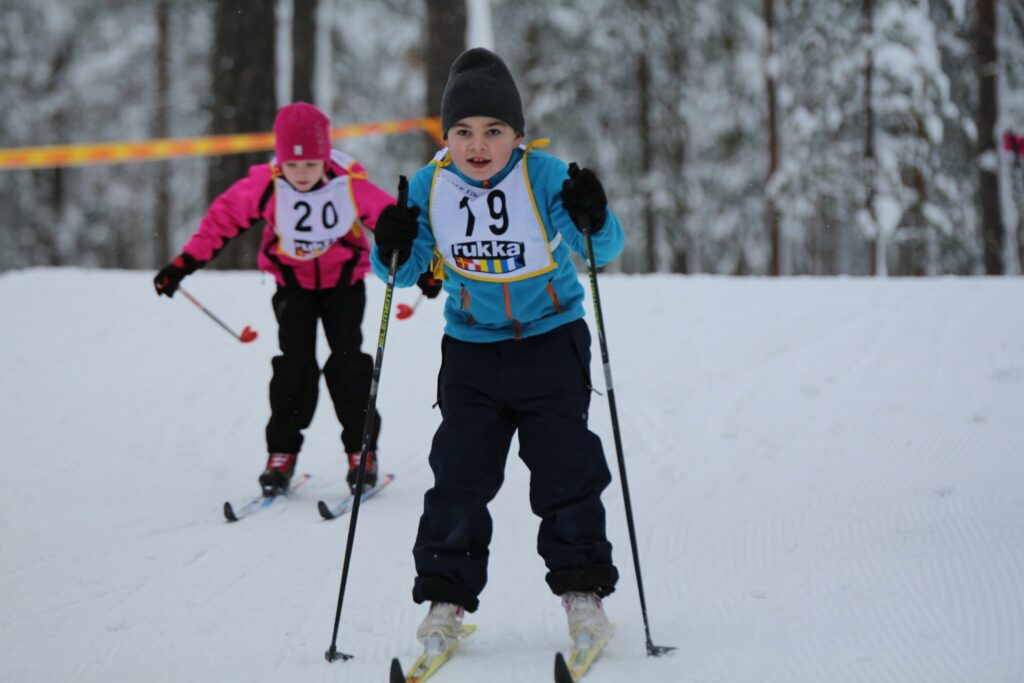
(652, 649)
(406, 311)
(247, 335)
(332, 653)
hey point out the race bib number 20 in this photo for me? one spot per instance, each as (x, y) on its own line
(308, 223)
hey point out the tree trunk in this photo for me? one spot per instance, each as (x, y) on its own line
(446, 40)
(828, 245)
(57, 204)
(869, 136)
(54, 231)
(162, 220)
(913, 242)
(988, 153)
(304, 50)
(1017, 190)
(643, 80)
(770, 212)
(244, 102)
(678, 221)
(913, 254)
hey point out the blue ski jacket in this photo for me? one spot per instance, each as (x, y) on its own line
(482, 311)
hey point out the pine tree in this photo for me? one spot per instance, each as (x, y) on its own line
(244, 101)
(987, 154)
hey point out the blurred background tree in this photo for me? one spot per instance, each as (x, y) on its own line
(244, 101)
(735, 136)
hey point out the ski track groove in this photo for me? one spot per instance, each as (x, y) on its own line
(988, 614)
(899, 601)
(893, 627)
(824, 478)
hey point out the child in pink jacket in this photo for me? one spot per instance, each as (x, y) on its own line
(317, 204)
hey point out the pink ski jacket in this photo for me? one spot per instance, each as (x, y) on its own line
(251, 200)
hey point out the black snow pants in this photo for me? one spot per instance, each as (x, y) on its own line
(540, 387)
(294, 386)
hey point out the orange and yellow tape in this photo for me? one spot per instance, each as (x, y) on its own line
(172, 148)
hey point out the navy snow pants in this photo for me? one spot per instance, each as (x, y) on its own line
(540, 387)
(295, 384)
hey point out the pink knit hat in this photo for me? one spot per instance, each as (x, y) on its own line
(302, 133)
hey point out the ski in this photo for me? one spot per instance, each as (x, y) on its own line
(260, 502)
(340, 508)
(396, 672)
(562, 673)
(427, 665)
(576, 667)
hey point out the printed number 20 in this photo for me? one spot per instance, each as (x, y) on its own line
(329, 216)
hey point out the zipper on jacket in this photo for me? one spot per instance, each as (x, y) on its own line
(316, 272)
(464, 302)
(554, 296)
(516, 325)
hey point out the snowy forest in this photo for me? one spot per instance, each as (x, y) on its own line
(740, 137)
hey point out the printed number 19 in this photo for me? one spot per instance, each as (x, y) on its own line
(498, 209)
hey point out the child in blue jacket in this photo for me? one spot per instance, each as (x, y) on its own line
(500, 219)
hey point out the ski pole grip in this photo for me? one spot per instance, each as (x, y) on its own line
(403, 190)
(403, 201)
(584, 225)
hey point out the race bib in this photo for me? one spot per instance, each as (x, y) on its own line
(492, 234)
(308, 223)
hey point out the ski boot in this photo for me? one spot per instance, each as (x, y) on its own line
(588, 624)
(441, 628)
(353, 469)
(278, 474)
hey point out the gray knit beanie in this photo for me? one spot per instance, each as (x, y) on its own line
(479, 84)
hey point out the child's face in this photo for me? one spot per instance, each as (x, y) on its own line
(303, 175)
(481, 146)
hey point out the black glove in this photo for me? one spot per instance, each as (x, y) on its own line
(170, 276)
(395, 231)
(583, 197)
(429, 285)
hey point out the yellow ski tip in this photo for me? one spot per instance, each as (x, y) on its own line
(425, 666)
(579, 661)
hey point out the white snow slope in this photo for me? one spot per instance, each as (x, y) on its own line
(827, 479)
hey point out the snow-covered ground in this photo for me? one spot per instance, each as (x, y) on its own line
(827, 478)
